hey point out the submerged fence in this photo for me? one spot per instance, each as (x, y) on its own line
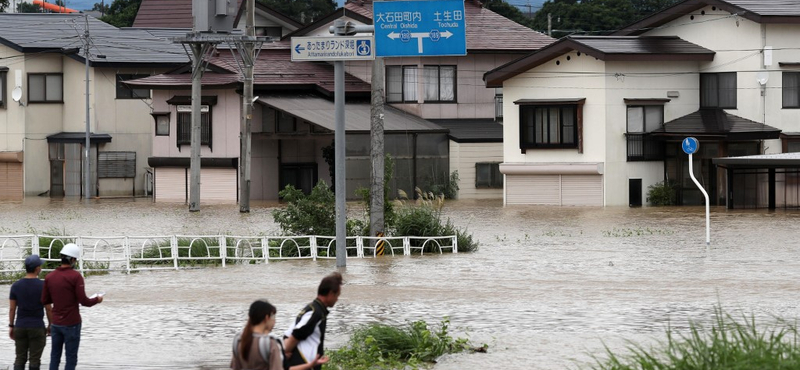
(137, 253)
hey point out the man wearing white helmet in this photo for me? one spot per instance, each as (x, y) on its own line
(64, 288)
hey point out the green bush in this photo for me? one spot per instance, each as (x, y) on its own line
(662, 194)
(425, 219)
(449, 188)
(313, 214)
(729, 344)
(379, 346)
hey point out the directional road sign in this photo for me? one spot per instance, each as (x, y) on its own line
(419, 28)
(690, 145)
(332, 48)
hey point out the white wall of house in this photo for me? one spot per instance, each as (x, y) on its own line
(463, 157)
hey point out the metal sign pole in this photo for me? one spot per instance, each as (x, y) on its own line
(690, 146)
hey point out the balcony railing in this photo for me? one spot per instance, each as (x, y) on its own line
(643, 147)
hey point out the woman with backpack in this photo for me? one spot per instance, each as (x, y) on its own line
(255, 349)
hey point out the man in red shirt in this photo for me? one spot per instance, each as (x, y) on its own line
(64, 288)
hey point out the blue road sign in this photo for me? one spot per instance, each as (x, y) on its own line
(690, 145)
(419, 28)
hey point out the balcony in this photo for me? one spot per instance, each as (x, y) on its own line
(644, 147)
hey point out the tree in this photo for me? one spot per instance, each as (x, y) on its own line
(304, 11)
(28, 8)
(100, 7)
(507, 10)
(596, 17)
(3, 5)
(121, 13)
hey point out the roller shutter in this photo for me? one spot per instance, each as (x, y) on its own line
(581, 190)
(11, 181)
(218, 185)
(170, 184)
(533, 189)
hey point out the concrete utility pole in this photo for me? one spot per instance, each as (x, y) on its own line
(550, 24)
(198, 50)
(87, 178)
(339, 154)
(245, 153)
(376, 215)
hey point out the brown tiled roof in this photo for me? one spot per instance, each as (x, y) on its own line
(608, 48)
(760, 11)
(717, 123)
(274, 69)
(486, 30)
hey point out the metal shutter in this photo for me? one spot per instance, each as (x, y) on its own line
(581, 190)
(218, 185)
(533, 189)
(11, 181)
(170, 184)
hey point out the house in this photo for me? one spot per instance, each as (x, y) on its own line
(597, 120)
(448, 91)
(43, 105)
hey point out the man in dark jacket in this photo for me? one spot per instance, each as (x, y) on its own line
(25, 304)
(305, 338)
(64, 288)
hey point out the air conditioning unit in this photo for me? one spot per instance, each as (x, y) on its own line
(214, 15)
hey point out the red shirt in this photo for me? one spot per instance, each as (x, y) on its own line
(64, 289)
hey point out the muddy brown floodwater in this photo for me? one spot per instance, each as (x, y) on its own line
(548, 288)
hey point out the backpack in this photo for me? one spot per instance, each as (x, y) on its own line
(264, 344)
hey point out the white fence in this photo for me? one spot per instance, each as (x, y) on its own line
(136, 253)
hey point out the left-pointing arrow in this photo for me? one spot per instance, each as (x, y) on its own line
(299, 48)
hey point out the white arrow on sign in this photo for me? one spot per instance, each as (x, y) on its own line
(405, 36)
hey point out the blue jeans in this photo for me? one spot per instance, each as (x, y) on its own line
(68, 337)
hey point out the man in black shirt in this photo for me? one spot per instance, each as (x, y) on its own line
(305, 338)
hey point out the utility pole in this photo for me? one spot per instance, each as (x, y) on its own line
(376, 209)
(198, 50)
(550, 24)
(86, 175)
(339, 154)
(245, 153)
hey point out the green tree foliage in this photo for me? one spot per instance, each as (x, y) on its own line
(595, 17)
(509, 11)
(121, 13)
(303, 11)
(28, 8)
(100, 7)
(3, 5)
(312, 214)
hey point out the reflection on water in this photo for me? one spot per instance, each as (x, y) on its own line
(548, 287)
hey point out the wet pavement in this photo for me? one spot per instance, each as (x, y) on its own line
(548, 288)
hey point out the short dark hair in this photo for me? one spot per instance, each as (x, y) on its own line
(30, 269)
(331, 283)
(66, 260)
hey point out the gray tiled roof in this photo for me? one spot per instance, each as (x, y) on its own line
(32, 33)
(484, 130)
(717, 123)
(641, 45)
(769, 7)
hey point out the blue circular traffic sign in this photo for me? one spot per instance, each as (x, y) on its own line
(690, 145)
(405, 36)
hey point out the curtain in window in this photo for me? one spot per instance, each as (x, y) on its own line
(410, 83)
(727, 90)
(635, 119)
(708, 93)
(394, 84)
(431, 82)
(36, 87)
(568, 125)
(791, 98)
(654, 117)
(53, 88)
(541, 126)
(447, 83)
(553, 127)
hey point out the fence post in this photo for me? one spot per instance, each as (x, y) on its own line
(223, 249)
(455, 244)
(35, 245)
(265, 248)
(80, 260)
(126, 249)
(406, 246)
(312, 241)
(360, 246)
(173, 244)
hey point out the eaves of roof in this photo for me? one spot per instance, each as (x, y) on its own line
(336, 14)
(716, 123)
(755, 10)
(267, 9)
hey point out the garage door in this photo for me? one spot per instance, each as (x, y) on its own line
(218, 185)
(10, 181)
(170, 184)
(567, 190)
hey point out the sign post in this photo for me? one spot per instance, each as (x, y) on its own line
(690, 146)
(419, 28)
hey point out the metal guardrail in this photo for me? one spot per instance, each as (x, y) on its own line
(138, 253)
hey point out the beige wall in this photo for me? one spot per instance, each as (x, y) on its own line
(463, 158)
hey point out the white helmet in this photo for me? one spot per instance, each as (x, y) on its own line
(71, 250)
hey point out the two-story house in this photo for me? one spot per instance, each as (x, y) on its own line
(598, 120)
(43, 107)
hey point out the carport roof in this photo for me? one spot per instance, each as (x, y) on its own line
(716, 123)
(321, 112)
(780, 160)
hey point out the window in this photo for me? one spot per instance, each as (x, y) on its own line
(401, 84)
(126, 92)
(275, 32)
(552, 126)
(45, 88)
(439, 83)
(641, 121)
(791, 142)
(498, 104)
(3, 98)
(791, 89)
(718, 90)
(162, 123)
(487, 175)
(184, 129)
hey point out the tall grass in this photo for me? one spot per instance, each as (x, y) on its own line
(728, 344)
(379, 346)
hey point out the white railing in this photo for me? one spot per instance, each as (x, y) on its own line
(137, 253)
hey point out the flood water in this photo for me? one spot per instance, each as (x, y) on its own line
(548, 288)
